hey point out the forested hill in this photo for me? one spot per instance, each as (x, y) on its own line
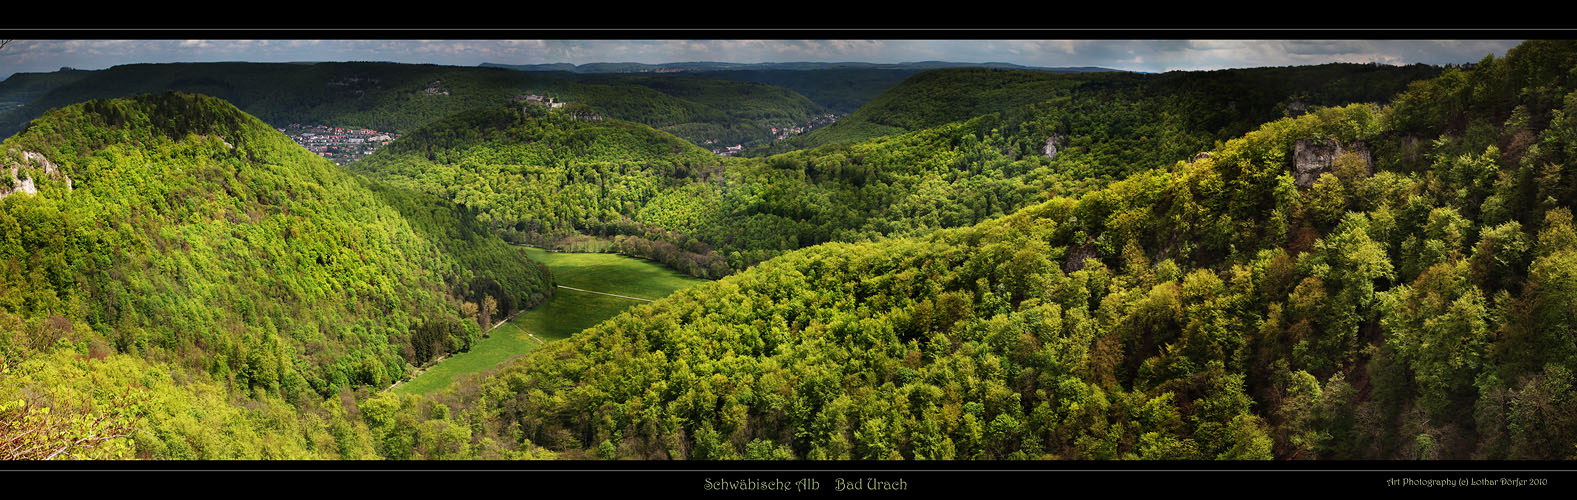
(948, 95)
(841, 90)
(178, 229)
(564, 134)
(1226, 103)
(700, 109)
(555, 179)
(176, 273)
(1358, 282)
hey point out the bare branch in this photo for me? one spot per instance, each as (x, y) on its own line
(85, 443)
(30, 433)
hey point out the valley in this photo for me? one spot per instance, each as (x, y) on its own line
(1330, 262)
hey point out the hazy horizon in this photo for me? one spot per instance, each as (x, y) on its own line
(43, 56)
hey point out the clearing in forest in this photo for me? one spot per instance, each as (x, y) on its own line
(592, 284)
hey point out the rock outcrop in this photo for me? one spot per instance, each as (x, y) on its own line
(1312, 157)
(1412, 148)
(24, 183)
(1297, 108)
(1051, 146)
(1076, 256)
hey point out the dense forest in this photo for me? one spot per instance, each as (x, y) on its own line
(553, 180)
(1331, 262)
(726, 112)
(841, 90)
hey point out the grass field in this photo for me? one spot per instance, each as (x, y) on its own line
(612, 274)
(568, 312)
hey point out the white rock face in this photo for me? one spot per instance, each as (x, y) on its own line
(24, 185)
(1051, 147)
(49, 167)
(28, 185)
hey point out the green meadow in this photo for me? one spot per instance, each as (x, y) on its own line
(612, 273)
(567, 312)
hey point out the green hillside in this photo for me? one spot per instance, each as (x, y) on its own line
(551, 179)
(698, 109)
(1413, 302)
(841, 90)
(175, 235)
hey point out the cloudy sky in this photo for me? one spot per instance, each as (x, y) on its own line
(1150, 56)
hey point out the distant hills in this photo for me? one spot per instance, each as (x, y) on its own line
(403, 97)
(630, 67)
(841, 87)
(1226, 103)
(708, 103)
(22, 88)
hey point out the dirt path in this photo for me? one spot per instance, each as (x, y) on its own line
(606, 293)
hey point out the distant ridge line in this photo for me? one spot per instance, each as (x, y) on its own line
(632, 67)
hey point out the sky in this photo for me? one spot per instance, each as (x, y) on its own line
(1136, 55)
